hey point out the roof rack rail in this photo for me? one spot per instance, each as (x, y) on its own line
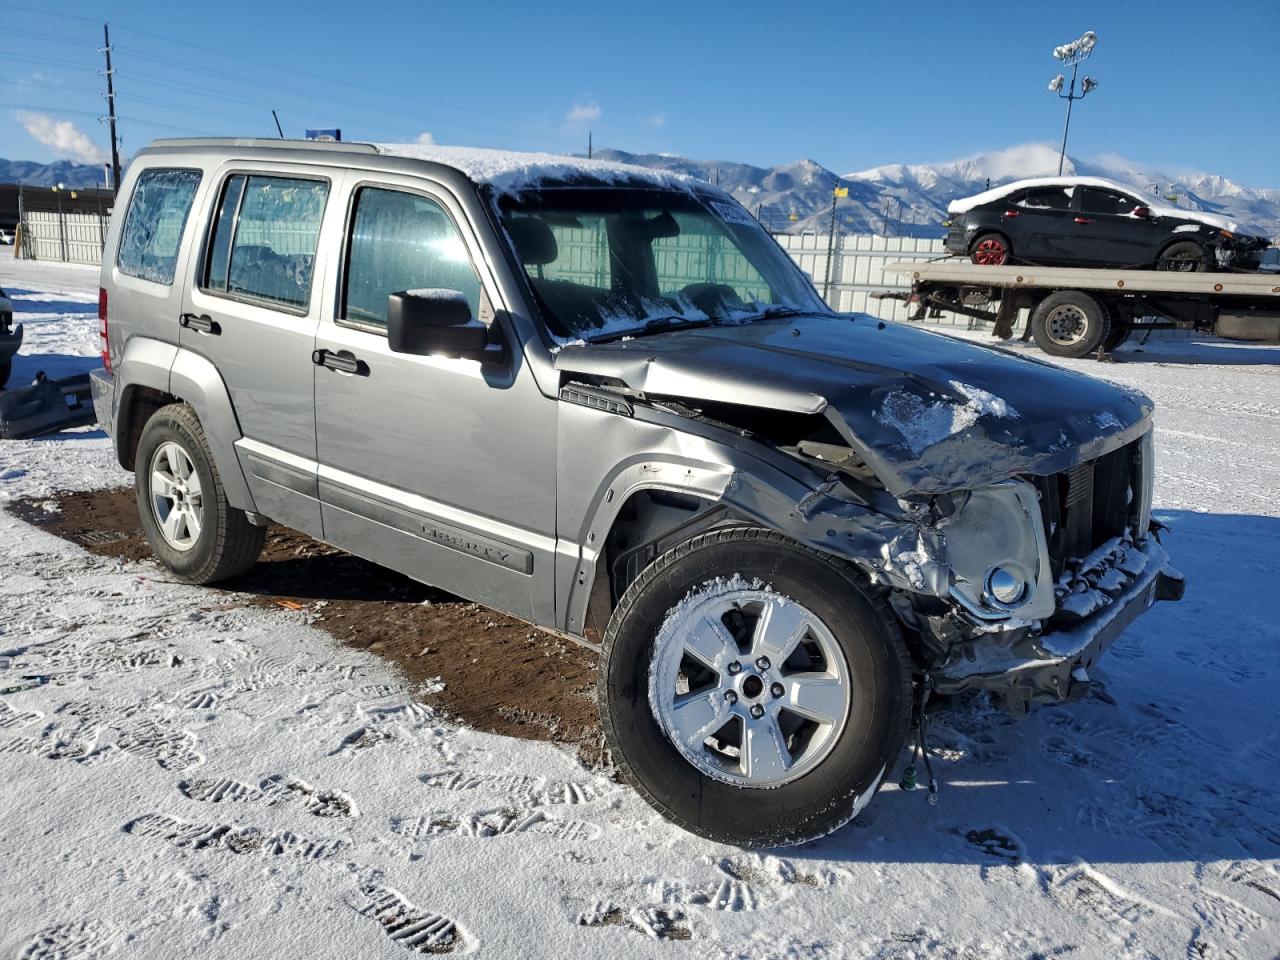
(263, 142)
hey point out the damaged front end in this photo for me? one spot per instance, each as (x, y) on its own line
(1009, 527)
(1015, 588)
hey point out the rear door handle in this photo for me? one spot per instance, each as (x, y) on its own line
(342, 361)
(1083, 220)
(200, 323)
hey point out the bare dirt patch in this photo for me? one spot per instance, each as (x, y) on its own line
(500, 674)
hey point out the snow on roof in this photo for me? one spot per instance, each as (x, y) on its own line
(965, 204)
(510, 172)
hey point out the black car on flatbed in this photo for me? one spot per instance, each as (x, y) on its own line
(1093, 222)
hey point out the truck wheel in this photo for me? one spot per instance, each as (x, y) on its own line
(1070, 323)
(183, 508)
(1185, 256)
(991, 250)
(752, 690)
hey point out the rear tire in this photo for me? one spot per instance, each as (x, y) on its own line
(1070, 323)
(817, 769)
(991, 250)
(183, 507)
(1185, 256)
(1118, 334)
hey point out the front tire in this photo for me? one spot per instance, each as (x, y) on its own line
(1070, 323)
(1185, 256)
(183, 507)
(752, 690)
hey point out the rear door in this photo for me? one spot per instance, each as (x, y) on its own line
(1039, 223)
(1105, 223)
(439, 467)
(252, 311)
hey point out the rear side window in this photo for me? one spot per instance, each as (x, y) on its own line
(153, 226)
(264, 239)
(402, 241)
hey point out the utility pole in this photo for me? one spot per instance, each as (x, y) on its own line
(588, 144)
(111, 113)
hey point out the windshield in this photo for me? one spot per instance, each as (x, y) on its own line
(608, 262)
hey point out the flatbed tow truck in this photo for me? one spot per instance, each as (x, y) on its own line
(1078, 311)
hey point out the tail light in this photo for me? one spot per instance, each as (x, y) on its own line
(102, 327)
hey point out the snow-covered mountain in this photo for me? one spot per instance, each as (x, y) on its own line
(900, 198)
(913, 197)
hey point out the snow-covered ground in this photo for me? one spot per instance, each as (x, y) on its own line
(181, 774)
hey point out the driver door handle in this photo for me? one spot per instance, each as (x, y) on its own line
(200, 323)
(342, 361)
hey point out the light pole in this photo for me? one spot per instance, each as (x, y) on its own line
(1073, 53)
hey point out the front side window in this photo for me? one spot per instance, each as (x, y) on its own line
(402, 241)
(608, 261)
(1048, 198)
(158, 212)
(264, 239)
(1094, 200)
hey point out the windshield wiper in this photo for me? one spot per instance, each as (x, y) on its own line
(659, 325)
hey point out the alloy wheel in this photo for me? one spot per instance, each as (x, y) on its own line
(750, 686)
(177, 502)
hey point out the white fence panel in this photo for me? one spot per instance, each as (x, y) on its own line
(69, 237)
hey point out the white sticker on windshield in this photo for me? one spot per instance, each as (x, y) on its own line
(732, 213)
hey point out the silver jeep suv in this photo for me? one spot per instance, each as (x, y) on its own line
(602, 399)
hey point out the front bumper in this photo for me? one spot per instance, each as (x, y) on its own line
(102, 386)
(1053, 666)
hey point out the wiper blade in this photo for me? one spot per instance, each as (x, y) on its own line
(658, 325)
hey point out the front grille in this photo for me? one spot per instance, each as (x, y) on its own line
(1089, 504)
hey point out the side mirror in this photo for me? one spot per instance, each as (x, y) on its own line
(1142, 213)
(436, 321)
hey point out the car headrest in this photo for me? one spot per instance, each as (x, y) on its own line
(535, 243)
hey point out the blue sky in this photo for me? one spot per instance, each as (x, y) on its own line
(1184, 85)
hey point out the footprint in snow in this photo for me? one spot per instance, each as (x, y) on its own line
(531, 791)
(407, 926)
(494, 823)
(271, 792)
(656, 923)
(241, 840)
(71, 940)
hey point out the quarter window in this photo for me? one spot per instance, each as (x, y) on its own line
(264, 240)
(402, 241)
(158, 212)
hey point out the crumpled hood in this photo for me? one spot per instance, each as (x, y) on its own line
(927, 412)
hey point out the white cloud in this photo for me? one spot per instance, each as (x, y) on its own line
(587, 112)
(426, 138)
(63, 137)
(657, 120)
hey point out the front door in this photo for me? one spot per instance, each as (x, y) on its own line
(1105, 223)
(253, 311)
(440, 467)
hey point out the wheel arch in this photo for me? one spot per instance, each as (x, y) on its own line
(152, 374)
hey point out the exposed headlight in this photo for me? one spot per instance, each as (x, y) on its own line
(1005, 587)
